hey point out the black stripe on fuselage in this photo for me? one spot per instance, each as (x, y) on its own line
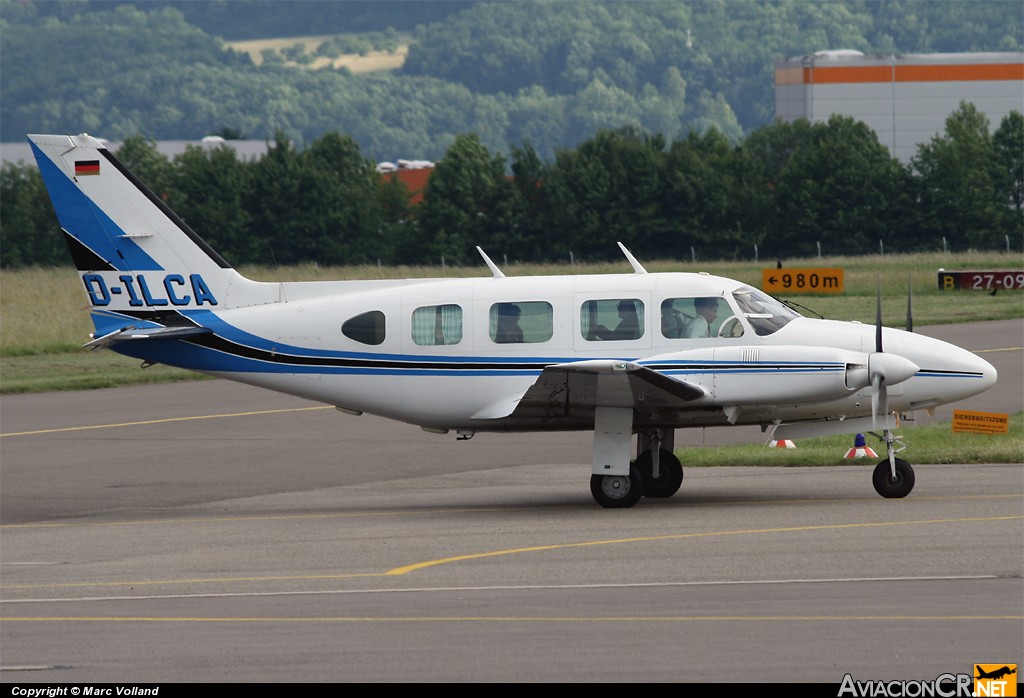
(240, 350)
(230, 347)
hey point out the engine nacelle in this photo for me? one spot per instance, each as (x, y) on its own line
(746, 375)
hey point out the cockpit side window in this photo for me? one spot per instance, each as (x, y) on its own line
(612, 319)
(697, 318)
(765, 314)
(437, 324)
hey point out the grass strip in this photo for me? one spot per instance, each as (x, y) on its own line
(82, 370)
(932, 443)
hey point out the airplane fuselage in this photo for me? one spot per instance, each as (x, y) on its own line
(752, 371)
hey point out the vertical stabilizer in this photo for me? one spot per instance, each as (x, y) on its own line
(132, 252)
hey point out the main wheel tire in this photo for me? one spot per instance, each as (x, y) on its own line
(670, 474)
(618, 491)
(890, 487)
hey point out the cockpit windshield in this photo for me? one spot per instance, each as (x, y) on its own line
(765, 314)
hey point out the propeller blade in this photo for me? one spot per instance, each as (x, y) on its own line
(879, 399)
(878, 317)
(876, 383)
(885, 370)
(910, 297)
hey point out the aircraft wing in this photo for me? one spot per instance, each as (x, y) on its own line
(578, 386)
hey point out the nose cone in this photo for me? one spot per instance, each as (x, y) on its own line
(974, 374)
(949, 372)
(988, 371)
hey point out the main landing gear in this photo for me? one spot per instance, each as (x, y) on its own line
(623, 491)
(664, 479)
(618, 484)
(618, 491)
(893, 477)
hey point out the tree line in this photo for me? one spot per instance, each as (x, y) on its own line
(786, 188)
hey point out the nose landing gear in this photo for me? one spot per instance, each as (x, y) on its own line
(893, 477)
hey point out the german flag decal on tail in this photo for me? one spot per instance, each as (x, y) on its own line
(87, 167)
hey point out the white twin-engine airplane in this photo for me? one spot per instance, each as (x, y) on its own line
(621, 354)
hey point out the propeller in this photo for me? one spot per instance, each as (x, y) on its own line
(878, 316)
(885, 369)
(879, 396)
(910, 299)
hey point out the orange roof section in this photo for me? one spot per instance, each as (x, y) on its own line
(414, 180)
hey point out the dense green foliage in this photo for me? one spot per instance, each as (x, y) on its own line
(785, 188)
(550, 74)
(642, 122)
(254, 19)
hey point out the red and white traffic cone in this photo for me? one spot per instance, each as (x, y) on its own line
(861, 449)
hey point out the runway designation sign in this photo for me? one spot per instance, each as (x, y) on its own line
(965, 421)
(803, 280)
(980, 280)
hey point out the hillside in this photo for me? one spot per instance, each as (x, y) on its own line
(550, 74)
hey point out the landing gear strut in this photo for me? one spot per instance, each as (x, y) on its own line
(893, 477)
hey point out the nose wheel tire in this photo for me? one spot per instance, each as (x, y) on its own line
(618, 491)
(893, 487)
(670, 474)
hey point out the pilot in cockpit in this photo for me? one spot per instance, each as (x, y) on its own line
(707, 312)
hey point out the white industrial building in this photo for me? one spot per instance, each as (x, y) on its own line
(905, 98)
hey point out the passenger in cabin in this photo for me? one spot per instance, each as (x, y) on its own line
(673, 322)
(628, 327)
(707, 311)
(508, 330)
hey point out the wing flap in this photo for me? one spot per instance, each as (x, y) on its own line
(580, 386)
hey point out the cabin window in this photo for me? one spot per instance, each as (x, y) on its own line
(613, 319)
(437, 324)
(367, 328)
(765, 314)
(697, 318)
(521, 322)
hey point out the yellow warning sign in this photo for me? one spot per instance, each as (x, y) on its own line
(965, 421)
(803, 280)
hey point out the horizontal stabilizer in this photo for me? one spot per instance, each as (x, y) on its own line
(131, 332)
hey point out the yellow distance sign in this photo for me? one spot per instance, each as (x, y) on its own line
(965, 421)
(803, 280)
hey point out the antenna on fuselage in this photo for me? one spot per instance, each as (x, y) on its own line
(490, 265)
(637, 266)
